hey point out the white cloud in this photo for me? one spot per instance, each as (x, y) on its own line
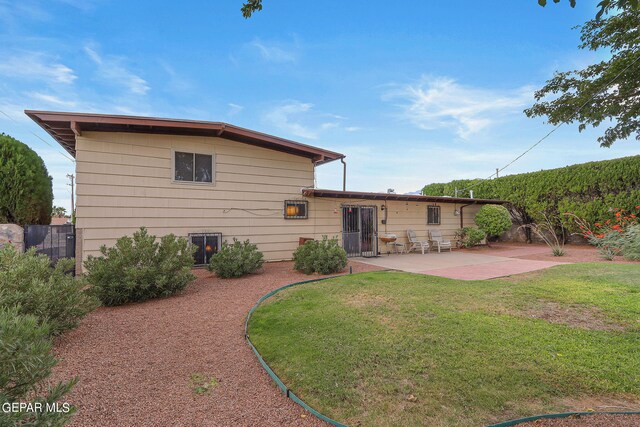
(51, 99)
(175, 83)
(280, 117)
(274, 52)
(298, 119)
(12, 111)
(11, 12)
(82, 5)
(38, 66)
(234, 109)
(111, 69)
(353, 128)
(329, 125)
(441, 102)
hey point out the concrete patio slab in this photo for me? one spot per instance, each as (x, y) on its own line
(491, 270)
(462, 265)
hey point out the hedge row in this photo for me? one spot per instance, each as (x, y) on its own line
(590, 190)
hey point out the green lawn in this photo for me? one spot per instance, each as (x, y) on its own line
(360, 348)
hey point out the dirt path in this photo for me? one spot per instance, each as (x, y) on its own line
(135, 362)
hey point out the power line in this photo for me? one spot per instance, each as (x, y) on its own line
(555, 128)
(38, 136)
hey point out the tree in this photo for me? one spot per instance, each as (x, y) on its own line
(59, 212)
(605, 5)
(26, 194)
(251, 6)
(606, 91)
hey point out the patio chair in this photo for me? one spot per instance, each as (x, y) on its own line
(438, 242)
(414, 243)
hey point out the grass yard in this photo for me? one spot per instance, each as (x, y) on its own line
(389, 348)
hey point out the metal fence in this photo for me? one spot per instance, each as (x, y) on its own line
(55, 241)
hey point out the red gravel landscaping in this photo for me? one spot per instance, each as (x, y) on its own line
(540, 252)
(135, 361)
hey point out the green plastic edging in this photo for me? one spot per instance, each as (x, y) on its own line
(559, 415)
(264, 364)
(282, 386)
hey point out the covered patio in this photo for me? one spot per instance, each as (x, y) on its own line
(463, 265)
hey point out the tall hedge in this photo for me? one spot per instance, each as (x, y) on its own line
(589, 190)
(26, 194)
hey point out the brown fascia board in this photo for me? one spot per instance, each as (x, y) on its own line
(337, 194)
(64, 127)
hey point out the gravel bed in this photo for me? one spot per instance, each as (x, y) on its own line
(573, 253)
(135, 362)
(595, 420)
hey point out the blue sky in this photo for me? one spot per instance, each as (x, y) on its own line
(412, 93)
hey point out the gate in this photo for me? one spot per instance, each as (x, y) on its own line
(55, 241)
(359, 230)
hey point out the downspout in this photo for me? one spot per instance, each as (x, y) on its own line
(344, 174)
(462, 213)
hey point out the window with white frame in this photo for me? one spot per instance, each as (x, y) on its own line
(193, 167)
(433, 215)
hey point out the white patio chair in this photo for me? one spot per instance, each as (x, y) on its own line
(438, 242)
(414, 243)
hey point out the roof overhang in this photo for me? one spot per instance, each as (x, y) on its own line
(337, 194)
(66, 127)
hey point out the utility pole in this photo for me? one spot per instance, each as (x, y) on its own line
(73, 205)
(497, 172)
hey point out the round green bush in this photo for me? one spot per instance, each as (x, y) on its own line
(493, 220)
(471, 237)
(138, 268)
(236, 259)
(29, 282)
(26, 194)
(320, 256)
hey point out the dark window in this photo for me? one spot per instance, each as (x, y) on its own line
(184, 166)
(193, 167)
(207, 245)
(204, 168)
(296, 209)
(433, 215)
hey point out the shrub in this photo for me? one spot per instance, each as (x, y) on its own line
(25, 363)
(545, 230)
(493, 220)
(620, 237)
(470, 237)
(26, 194)
(320, 256)
(138, 268)
(609, 244)
(588, 190)
(236, 259)
(29, 282)
(631, 243)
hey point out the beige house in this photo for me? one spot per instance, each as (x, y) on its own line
(213, 181)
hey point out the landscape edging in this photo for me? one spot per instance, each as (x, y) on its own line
(558, 415)
(281, 385)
